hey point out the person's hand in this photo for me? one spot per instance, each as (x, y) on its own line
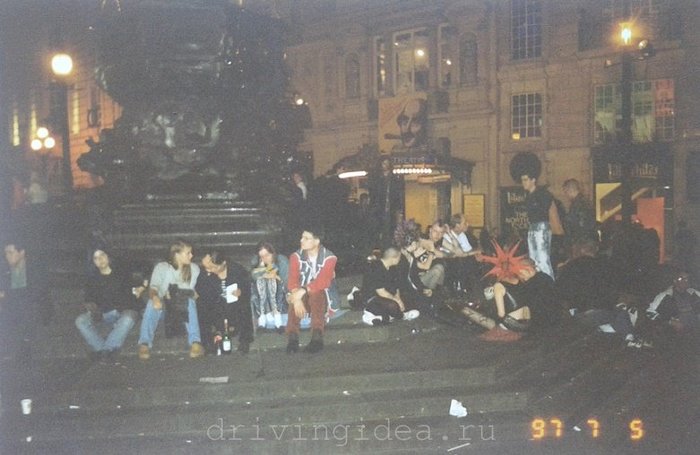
(236, 292)
(299, 309)
(157, 302)
(427, 292)
(677, 325)
(402, 307)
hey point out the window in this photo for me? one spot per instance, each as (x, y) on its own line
(468, 68)
(32, 115)
(653, 111)
(379, 70)
(15, 124)
(526, 29)
(94, 114)
(447, 58)
(412, 61)
(352, 76)
(526, 119)
(75, 111)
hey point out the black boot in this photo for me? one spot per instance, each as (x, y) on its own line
(316, 343)
(293, 343)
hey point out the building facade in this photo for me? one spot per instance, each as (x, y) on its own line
(507, 76)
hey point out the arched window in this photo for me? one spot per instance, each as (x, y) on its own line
(468, 60)
(352, 76)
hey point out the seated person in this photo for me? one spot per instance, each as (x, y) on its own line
(678, 306)
(23, 291)
(110, 301)
(462, 269)
(382, 296)
(269, 287)
(525, 301)
(177, 275)
(586, 282)
(224, 293)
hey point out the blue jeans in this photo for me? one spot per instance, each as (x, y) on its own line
(539, 245)
(151, 317)
(120, 324)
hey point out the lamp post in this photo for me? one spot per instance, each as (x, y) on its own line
(627, 208)
(62, 67)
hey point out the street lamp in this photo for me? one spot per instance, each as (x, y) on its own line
(62, 67)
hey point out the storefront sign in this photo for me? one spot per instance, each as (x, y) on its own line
(513, 211)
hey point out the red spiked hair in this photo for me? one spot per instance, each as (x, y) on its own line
(505, 263)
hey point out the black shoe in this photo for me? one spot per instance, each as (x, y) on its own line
(293, 345)
(314, 346)
(280, 330)
(244, 347)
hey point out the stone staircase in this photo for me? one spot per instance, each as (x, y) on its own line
(372, 390)
(217, 221)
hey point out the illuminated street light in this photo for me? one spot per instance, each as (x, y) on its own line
(42, 132)
(626, 33)
(36, 144)
(62, 67)
(49, 142)
(62, 64)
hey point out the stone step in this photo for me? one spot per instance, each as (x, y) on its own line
(196, 422)
(240, 393)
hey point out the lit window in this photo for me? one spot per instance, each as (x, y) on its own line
(653, 111)
(526, 118)
(15, 125)
(379, 67)
(352, 76)
(468, 60)
(526, 29)
(412, 61)
(75, 112)
(447, 56)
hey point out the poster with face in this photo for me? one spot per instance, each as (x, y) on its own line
(402, 122)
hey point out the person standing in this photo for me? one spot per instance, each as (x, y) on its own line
(311, 278)
(579, 220)
(386, 201)
(109, 302)
(178, 274)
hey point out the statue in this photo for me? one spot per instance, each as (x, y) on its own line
(203, 86)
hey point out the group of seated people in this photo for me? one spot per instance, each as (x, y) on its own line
(221, 300)
(199, 299)
(419, 274)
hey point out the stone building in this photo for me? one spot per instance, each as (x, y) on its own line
(502, 77)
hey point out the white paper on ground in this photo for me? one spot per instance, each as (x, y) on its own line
(457, 409)
(230, 298)
(214, 380)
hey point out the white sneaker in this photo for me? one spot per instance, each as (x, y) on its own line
(606, 328)
(278, 320)
(269, 319)
(262, 321)
(411, 315)
(370, 318)
(351, 296)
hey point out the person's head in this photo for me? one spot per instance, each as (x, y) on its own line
(412, 121)
(297, 178)
(459, 223)
(571, 188)
(436, 231)
(180, 254)
(527, 269)
(385, 165)
(681, 281)
(391, 257)
(267, 253)
(310, 239)
(101, 260)
(529, 183)
(15, 253)
(214, 261)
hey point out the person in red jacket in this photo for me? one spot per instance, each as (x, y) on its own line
(311, 277)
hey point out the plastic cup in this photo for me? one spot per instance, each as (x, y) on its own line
(26, 406)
